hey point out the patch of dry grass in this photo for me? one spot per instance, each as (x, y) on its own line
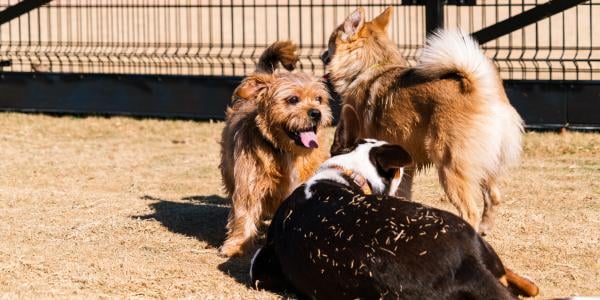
(124, 207)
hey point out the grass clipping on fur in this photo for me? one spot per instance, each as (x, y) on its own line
(119, 207)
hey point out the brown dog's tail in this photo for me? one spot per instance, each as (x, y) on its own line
(521, 285)
(283, 52)
(453, 51)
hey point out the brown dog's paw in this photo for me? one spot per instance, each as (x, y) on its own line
(485, 228)
(229, 250)
(486, 225)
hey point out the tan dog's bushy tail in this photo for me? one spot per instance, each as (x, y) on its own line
(453, 51)
(283, 52)
(521, 285)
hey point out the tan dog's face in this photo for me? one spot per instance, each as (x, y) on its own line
(353, 45)
(292, 108)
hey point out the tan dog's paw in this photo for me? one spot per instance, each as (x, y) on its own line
(230, 250)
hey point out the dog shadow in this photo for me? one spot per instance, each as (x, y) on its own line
(201, 217)
(204, 218)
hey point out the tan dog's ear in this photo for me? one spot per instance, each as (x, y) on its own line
(353, 24)
(253, 87)
(347, 131)
(383, 19)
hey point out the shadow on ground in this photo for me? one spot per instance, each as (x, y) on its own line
(202, 217)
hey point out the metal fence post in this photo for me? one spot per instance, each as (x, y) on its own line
(434, 15)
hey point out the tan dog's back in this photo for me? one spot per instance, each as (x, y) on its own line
(450, 110)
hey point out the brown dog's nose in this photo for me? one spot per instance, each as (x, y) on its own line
(315, 114)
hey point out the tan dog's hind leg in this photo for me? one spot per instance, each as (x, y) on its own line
(491, 198)
(460, 191)
(247, 204)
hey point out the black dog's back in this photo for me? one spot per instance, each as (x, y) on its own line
(341, 244)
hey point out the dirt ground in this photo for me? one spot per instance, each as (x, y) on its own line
(120, 207)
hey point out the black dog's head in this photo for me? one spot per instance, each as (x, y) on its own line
(380, 163)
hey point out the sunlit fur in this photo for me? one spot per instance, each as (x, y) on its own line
(450, 110)
(260, 163)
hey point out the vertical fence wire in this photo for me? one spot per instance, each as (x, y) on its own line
(223, 38)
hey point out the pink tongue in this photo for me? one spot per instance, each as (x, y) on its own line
(309, 139)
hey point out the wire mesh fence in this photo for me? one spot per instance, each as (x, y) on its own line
(562, 46)
(206, 37)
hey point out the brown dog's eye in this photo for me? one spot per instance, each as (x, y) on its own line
(292, 100)
(319, 98)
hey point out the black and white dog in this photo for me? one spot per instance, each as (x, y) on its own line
(340, 236)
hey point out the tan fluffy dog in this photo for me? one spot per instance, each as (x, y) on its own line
(270, 143)
(450, 110)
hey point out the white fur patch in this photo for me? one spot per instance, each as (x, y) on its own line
(510, 127)
(496, 135)
(322, 174)
(454, 50)
(357, 161)
(395, 183)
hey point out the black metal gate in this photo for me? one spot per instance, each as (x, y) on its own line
(183, 58)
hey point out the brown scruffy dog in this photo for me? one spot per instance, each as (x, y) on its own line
(270, 143)
(450, 110)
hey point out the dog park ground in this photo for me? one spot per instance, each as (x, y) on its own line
(122, 207)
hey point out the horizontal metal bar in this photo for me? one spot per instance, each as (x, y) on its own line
(220, 5)
(541, 103)
(193, 97)
(523, 19)
(446, 2)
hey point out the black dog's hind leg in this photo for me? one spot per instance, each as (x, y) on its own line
(475, 281)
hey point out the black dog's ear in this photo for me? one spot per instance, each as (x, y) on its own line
(388, 158)
(347, 131)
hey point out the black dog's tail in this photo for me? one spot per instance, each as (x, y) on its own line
(521, 285)
(283, 52)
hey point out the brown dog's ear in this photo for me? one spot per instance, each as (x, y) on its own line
(347, 131)
(353, 24)
(388, 158)
(383, 19)
(253, 87)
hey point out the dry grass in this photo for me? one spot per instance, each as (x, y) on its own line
(121, 207)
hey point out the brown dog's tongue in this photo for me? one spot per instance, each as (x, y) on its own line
(309, 139)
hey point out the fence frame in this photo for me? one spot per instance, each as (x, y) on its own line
(544, 104)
